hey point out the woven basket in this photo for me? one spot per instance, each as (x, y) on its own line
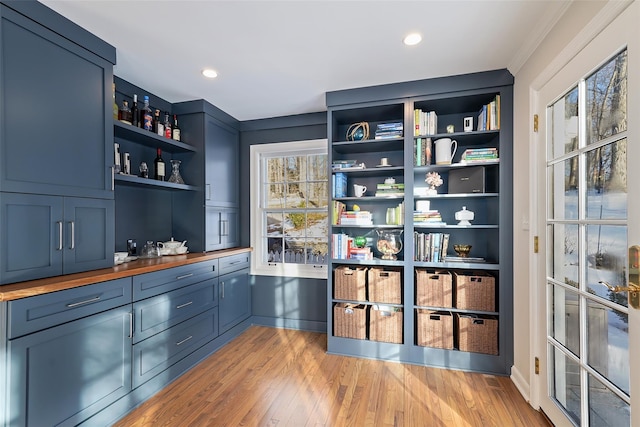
(478, 334)
(350, 283)
(385, 324)
(435, 329)
(384, 285)
(475, 291)
(350, 321)
(434, 288)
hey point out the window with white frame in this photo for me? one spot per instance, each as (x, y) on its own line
(289, 209)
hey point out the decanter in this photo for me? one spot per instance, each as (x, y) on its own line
(175, 172)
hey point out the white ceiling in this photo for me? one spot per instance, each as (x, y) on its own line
(277, 58)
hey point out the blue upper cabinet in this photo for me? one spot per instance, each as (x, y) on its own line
(55, 97)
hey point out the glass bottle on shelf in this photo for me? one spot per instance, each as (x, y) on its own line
(146, 116)
(124, 115)
(158, 127)
(175, 172)
(175, 129)
(167, 126)
(159, 166)
(135, 114)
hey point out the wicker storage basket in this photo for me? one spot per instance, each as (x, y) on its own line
(475, 291)
(350, 321)
(435, 329)
(434, 288)
(350, 283)
(384, 285)
(385, 324)
(478, 334)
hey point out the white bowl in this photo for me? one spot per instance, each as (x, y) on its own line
(181, 250)
(120, 256)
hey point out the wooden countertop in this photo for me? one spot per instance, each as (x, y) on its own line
(31, 288)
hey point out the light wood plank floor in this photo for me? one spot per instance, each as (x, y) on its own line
(280, 377)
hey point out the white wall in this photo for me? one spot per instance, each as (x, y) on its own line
(575, 18)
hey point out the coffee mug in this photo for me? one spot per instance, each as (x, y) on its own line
(359, 190)
(445, 150)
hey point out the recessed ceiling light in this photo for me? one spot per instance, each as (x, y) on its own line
(412, 39)
(208, 72)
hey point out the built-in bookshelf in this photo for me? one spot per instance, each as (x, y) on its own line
(394, 231)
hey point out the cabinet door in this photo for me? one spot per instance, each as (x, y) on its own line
(31, 238)
(221, 164)
(221, 228)
(63, 375)
(89, 234)
(235, 299)
(55, 126)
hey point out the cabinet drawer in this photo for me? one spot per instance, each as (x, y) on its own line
(158, 313)
(234, 262)
(156, 283)
(154, 355)
(32, 314)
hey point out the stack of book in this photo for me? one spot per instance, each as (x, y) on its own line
(489, 115)
(430, 247)
(389, 130)
(431, 218)
(339, 184)
(422, 151)
(337, 208)
(389, 190)
(337, 165)
(479, 155)
(363, 254)
(342, 247)
(356, 218)
(426, 122)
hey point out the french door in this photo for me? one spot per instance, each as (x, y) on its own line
(590, 226)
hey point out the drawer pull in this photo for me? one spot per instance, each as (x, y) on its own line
(184, 276)
(236, 262)
(184, 340)
(184, 305)
(76, 304)
(59, 235)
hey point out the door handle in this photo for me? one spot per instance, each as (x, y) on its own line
(73, 234)
(633, 292)
(59, 235)
(208, 197)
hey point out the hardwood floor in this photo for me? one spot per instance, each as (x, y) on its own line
(280, 377)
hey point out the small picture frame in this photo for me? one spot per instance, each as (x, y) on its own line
(468, 124)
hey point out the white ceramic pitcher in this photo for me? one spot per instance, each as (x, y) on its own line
(445, 150)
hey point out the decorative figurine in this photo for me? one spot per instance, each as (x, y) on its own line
(464, 216)
(434, 180)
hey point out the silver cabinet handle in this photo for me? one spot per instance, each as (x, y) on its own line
(113, 178)
(130, 325)
(184, 340)
(222, 286)
(73, 234)
(208, 197)
(184, 276)
(225, 227)
(184, 305)
(59, 235)
(88, 301)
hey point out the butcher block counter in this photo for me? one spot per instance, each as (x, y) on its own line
(51, 284)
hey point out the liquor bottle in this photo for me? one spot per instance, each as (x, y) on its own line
(159, 166)
(116, 110)
(175, 129)
(124, 115)
(135, 114)
(146, 116)
(167, 126)
(159, 127)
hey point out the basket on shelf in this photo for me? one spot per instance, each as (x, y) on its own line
(350, 283)
(434, 288)
(475, 291)
(435, 329)
(350, 320)
(478, 334)
(384, 285)
(385, 324)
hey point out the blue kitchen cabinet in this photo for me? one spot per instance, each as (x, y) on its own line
(235, 291)
(44, 236)
(221, 228)
(56, 108)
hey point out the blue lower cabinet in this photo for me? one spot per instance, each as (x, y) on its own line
(154, 355)
(63, 375)
(234, 298)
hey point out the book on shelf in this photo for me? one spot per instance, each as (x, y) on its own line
(337, 208)
(364, 254)
(430, 247)
(389, 130)
(427, 216)
(356, 218)
(463, 259)
(383, 186)
(426, 122)
(339, 184)
(387, 193)
(489, 115)
(422, 151)
(338, 165)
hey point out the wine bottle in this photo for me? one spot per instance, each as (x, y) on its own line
(167, 126)
(159, 167)
(157, 124)
(146, 116)
(124, 115)
(175, 129)
(135, 114)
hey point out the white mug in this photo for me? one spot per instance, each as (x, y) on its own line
(359, 190)
(445, 150)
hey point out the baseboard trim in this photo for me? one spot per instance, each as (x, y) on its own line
(303, 325)
(520, 383)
